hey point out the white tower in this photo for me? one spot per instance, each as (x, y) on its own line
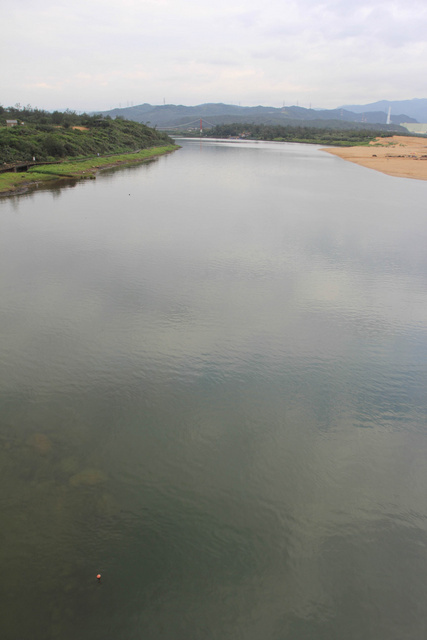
(389, 116)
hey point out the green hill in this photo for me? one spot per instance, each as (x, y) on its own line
(52, 136)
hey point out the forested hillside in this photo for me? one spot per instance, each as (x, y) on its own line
(51, 136)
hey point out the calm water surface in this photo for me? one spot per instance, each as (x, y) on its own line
(213, 392)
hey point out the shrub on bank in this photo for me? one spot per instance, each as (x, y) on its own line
(56, 138)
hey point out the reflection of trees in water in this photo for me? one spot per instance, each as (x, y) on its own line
(55, 187)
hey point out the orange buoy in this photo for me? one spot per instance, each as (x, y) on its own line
(98, 577)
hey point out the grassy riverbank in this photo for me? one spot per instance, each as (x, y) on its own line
(11, 182)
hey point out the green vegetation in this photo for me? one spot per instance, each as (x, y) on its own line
(89, 165)
(313, 135)
(52, 136)
(11, 181)
(74, 145)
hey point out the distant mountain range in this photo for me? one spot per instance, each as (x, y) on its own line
(183, 118)
(415, 108)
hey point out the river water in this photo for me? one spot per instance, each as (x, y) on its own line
(213, 392)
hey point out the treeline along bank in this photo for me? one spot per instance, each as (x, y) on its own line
(345, 136)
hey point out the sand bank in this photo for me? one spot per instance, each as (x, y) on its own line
(400, 156)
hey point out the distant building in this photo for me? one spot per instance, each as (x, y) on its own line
(415, 127)
(11, 123)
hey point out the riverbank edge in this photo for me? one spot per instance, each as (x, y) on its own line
(12, 184)
(397, 156)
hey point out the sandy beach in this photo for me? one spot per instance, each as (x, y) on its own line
(400, 156)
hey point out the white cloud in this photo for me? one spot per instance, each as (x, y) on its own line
(95, 55)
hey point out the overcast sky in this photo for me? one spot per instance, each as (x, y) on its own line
(99, 54)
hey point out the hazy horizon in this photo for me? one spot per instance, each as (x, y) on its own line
(195, 104)
(95, 56)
